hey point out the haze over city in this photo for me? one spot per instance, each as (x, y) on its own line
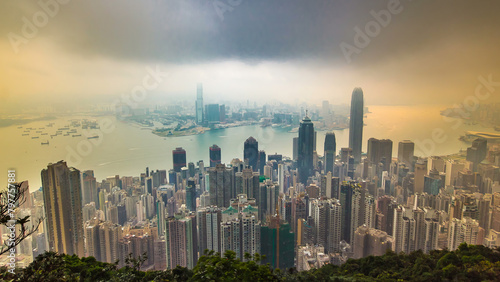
(249, 140)
(428, 53)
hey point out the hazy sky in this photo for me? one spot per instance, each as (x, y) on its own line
(429, 52)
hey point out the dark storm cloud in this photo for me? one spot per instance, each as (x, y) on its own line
(254, 30)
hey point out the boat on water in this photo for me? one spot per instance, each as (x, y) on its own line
(45, 143)
(93, 137)
(19, 127)
(76, 135)
(26, 134)
(35, 137)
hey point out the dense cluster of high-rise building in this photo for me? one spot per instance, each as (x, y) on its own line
(301, 211)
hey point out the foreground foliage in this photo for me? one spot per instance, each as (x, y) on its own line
(468, 263)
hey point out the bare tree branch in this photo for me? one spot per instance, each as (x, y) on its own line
(8, 219)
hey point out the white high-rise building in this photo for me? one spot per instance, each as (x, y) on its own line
(452, 169)
(199, 103)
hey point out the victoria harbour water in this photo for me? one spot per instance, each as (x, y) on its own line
(127, 149)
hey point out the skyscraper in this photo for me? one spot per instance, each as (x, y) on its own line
(276, 238)
(406, 150)
(191, 195)
(330, 149)
(212, 113)
(89, 188)
(327, 223)
(380, 151)
(295, 148)
(477, 152)
(199, 103)
(215, 155)
(221, 185)
(179, 158)
(181, 240)
(356, 124)
(251, 153)
(306, 148)
(262, 161)
(240, 232)
(209, 219)
(247, 182)
(63, 208)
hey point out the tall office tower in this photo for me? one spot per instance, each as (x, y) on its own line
(209, 220)
(276, 157)
(351, 201)
(420, 169)
(160, 217)
(345, 153)
(212, 113)
(462, 230)
(63, 208)
(89, 191)
(179, 158)
(277, 241)
(380, 151)
(432, 184)
(330, 151)
(452, 169)
(406, 149)
(356, 124)
(247, 182)
(251, 153)
(191, 169)
(385, 208)
(215, 155)
(477, 152)
(191, 195)
(181, 238)
(484, 212)
(221, 185)
(435, 162)
(299, 211)
(199, 103)
(222, 113)
(327, 223)
(240, 232)
(306, 148)
(295, 148)
(330, 186)
(281, 178)
(262, 162)
(271, 194)
(370, 242)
